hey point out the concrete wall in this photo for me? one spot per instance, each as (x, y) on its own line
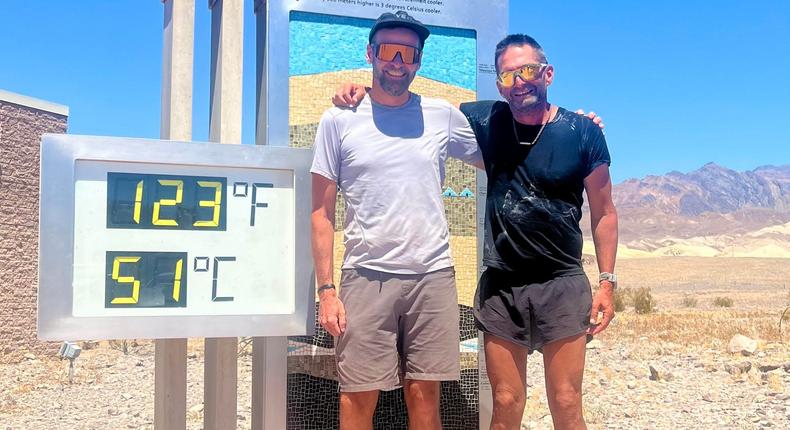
(22, 122)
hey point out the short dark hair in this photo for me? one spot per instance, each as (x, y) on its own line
(518, 40)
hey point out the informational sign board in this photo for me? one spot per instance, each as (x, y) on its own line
(485, 21)
(154, 239)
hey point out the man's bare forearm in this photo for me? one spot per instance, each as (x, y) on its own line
(323, 237)
(604, 230)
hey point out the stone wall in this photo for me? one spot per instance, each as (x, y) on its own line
(21, 127)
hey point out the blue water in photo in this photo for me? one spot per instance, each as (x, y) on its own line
(324, 43)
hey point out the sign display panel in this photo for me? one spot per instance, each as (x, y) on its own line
(166, 202)
(214, 243)
(229, 219)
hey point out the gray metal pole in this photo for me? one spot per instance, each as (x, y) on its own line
(261, 103)
(170, 371)
(269, 354)
(227, 29)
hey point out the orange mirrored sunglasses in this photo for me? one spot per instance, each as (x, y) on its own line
(528, 72)
(388, 52)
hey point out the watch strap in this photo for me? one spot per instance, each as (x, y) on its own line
(607, 276)
(325, 287)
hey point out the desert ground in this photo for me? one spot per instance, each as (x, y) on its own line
(699, 305)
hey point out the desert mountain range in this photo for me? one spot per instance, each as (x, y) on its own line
(712, 211)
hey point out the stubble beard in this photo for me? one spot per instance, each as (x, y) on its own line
(530, 106)
(394, 87)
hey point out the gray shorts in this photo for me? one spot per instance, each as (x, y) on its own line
(398, 327)
(508, 306)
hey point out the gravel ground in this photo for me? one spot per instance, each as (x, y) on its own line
(694, 388)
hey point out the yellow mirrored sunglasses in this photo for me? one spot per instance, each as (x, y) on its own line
(527, 72)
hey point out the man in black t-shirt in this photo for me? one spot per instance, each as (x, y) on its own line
(534, 294)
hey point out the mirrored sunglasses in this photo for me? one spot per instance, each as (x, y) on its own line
(388, 52)
(527, 72)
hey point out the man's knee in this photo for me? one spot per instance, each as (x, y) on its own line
(422, 392)
(566, 401)
(509, 398)
(363, 403)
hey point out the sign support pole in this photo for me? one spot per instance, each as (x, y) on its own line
(227, 28)
(170, 371)
(269, 354)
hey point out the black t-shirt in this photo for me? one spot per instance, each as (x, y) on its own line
(535, 193)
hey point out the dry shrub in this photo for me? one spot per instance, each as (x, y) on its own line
(643, 301)
(722, 302)
(689, 302)
(639, 298)
(621, 298)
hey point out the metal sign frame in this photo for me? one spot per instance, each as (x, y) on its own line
(59, 156)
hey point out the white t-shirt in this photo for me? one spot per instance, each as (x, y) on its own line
(389, 163)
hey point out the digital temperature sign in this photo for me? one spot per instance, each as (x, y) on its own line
(155, 239)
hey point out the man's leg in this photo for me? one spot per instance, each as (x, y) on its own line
(429, 339)
(422, 403)
(506, 363)
(366, 353)
(564, 366)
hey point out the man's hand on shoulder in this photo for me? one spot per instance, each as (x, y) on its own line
(349, 95)
(593, 116)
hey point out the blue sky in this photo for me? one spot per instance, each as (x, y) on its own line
(678, 83)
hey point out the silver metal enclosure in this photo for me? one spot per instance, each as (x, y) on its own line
(59, 157)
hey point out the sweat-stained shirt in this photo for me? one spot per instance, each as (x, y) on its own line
(535, 193)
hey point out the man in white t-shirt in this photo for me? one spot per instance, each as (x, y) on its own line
(396, 316)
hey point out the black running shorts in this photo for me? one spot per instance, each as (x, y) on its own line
(532, 314)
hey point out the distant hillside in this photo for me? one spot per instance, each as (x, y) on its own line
(711, 188)
(712, 211)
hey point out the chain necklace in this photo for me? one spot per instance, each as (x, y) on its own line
(534, 141)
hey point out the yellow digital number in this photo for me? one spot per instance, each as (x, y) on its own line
(138, 202)
(216, 204)
(116, 268)
(179, 184)
(177, 280)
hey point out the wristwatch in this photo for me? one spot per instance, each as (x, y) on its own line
(325, 287)
(606, 276)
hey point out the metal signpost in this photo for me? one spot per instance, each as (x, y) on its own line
(158, 240)
(158, 215)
